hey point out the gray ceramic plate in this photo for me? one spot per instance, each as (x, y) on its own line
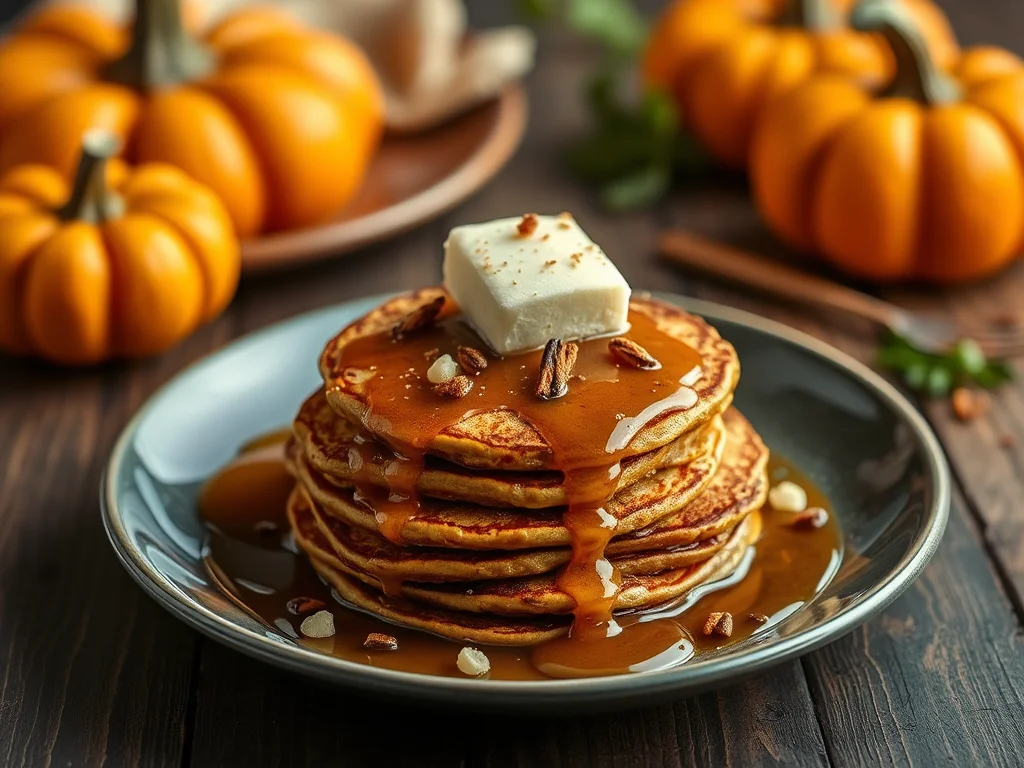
(853, 433)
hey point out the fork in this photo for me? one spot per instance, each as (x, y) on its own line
(927, 332)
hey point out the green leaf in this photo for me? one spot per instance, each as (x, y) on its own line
(536, 10)
(936, 375)
(968, 357)
(916, 376)
(636, 190)
(939, 381)
(995, 373)
(615, 23)
(658, 112)
(604, 157)
(900, 358)
(601, 97)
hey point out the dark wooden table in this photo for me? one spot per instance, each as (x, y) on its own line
(93, 671)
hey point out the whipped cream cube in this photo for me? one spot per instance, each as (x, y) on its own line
(522, 281)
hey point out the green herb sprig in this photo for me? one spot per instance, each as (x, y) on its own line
(637, 147)
(937, 375)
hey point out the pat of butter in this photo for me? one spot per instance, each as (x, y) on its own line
(520, 288)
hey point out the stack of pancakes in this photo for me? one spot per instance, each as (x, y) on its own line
(479, 559)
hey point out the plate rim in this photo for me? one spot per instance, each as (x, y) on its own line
(313, 244)
(690, 678)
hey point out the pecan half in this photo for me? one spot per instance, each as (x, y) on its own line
(811, 518)
(632, 354)
(719, 623)
(472, 360)
(377, 641)
(555, 368)
(423, 316)
(455, 387)
(527, 225)
(302, 606)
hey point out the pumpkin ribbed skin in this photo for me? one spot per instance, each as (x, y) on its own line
(75, 291)
(725, 60)
(889, 187)
(282, 127)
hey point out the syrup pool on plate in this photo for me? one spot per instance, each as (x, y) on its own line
(252, 557)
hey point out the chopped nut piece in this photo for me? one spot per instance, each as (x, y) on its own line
(787, 496)
(431, 355)
(968, 404)
(811, 518)
(320, 624)
(358, 375)
(472, 360)
(719, 623)
(760, 618)
(303, 606)
(455, 387)
(632, 354)
(556, 368)
(527, 225)
(421, 317)
(376, 641)
(473, 662)
(442, 369)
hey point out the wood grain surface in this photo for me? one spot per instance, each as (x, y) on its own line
(95, 673)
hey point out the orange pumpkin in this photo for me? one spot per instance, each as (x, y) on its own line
(278, 120)
(921, 179)
(124, 264)
(725, 59)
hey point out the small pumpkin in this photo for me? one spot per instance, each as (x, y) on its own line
(125, 263)
(922, 178)
(723, 60)
(279, 120)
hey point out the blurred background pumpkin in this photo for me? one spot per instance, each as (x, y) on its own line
(724, 60)
(918, 177)
(124, 263)
(278, 120)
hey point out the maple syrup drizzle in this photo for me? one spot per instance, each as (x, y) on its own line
(588, 431)
(252, 557)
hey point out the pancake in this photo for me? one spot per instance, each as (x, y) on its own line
(494, 629)
(486, 510)
(383, 562)
(505, 439)
(738, 484)
(469, 526)
(514, 582)
(333, 447)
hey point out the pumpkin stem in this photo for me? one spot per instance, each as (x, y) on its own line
(91, 199)
(812, 15)
(916, 76)
(162, 52)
